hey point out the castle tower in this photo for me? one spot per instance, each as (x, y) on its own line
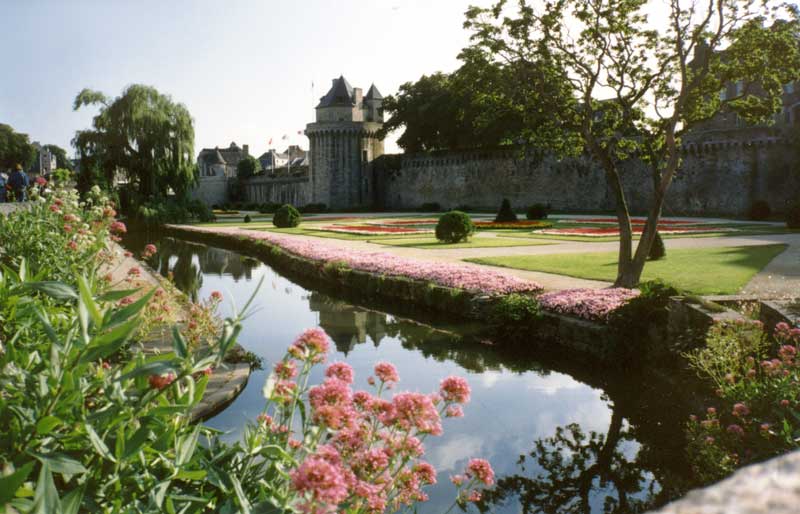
(343, 142)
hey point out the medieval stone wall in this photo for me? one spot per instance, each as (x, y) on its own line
(211, 190)
(292, 190)
(714, 179)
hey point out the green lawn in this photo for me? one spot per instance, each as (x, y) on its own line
(431, 243)
(746, 230)
(722, 270)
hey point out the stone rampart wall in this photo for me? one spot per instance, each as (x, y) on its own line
(293, 190)
(715, 178)
(211, 190)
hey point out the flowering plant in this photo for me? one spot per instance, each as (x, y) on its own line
(758, 384)
(354, 451)
(591, 304)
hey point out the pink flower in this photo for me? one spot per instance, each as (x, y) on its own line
(454, 411)
(312, 344)
(54, 208)
(118, 227)
(67, 228)
(72, 245)
(784, 403)
(458, 480)
(161, 381)
(711, 411)
(41, 181)
(414, 411)
(126, 301)
(340, 370)
(284, 391)
(320, 479)
(710, 440)
(286, 370)
(386, 372)
(740, 410)
(216, 296)
(332, 404)
(455, 389)
(735, 430)
(474, 496)
(109, 212)
(70, 218)
(264, 419)
(135, 271)
(591, 304)
(425, 473)
(481, 470)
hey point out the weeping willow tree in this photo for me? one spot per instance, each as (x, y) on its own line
(142, 135)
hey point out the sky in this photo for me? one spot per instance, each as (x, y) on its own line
(243, 68)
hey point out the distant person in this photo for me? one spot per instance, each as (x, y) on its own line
(2, 187)
(19, 183)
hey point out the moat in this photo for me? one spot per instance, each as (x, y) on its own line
(562, 436)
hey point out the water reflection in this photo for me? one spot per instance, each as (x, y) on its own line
(561, 437)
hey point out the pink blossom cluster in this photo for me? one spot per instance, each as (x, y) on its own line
(358, 451)
(590, 304)
(462, 276)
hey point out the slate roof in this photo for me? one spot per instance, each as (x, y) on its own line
(340, 94)
(212, 156)
(373, 93)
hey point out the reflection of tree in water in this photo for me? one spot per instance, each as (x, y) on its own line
(576, 472)
(190, 261)
(346, 324)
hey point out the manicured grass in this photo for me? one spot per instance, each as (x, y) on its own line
(431, 243)
(723, 270)
(741, 231)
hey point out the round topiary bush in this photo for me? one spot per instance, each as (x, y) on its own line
(247, 218)
(505, 214)
(759, 211)
(793, 216)
(657, 249)
(537, 211)
(286, 216)
(454, 226)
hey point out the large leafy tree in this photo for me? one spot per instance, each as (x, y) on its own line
(15, 148)
(642, 74)
(482, 104)
(248, 167)
(142, 134)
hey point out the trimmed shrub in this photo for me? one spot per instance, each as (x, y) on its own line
(793, 216)
(506, 213)
(430, 206)
(657, 249)
(247, 218)
(285, 217)
(537, 211)
(454, 226)
(759, 211)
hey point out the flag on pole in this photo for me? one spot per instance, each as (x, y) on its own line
(299, 132)
(270, 141)
(285, 137)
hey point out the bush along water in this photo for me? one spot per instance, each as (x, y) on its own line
(286, 217)
(757, 382)
(454, 227)
(90, 424)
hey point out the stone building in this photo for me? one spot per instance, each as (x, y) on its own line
(343, 142)
(216, 168)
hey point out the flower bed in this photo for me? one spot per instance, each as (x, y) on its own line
(589, 304)
(416, 222)
(614, 231)
(634, 221)
(460, 276)
(372, 230)
(535, 224)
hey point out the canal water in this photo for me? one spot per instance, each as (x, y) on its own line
(561, 436)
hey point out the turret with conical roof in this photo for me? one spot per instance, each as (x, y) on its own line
(343, 142)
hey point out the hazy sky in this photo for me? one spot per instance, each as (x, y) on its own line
(244, 68)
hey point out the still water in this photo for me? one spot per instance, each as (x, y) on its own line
(560, 437)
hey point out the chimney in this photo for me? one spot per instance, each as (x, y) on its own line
(246, 149)
(358, 96)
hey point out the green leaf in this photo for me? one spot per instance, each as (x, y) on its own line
(244, 505)
(124, 314)
(72, 500)
(178, 343)
(46, 425)
(60, 463)
(53, 289)
(197, 474)
(136, 441)
(267, 507)
(113, 296)
(46, 500)
(9, 484)
(186, 447)
(98, 443)
(108, 343)
(88, 301)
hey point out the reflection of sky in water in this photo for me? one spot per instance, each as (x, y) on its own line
(509, 410)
